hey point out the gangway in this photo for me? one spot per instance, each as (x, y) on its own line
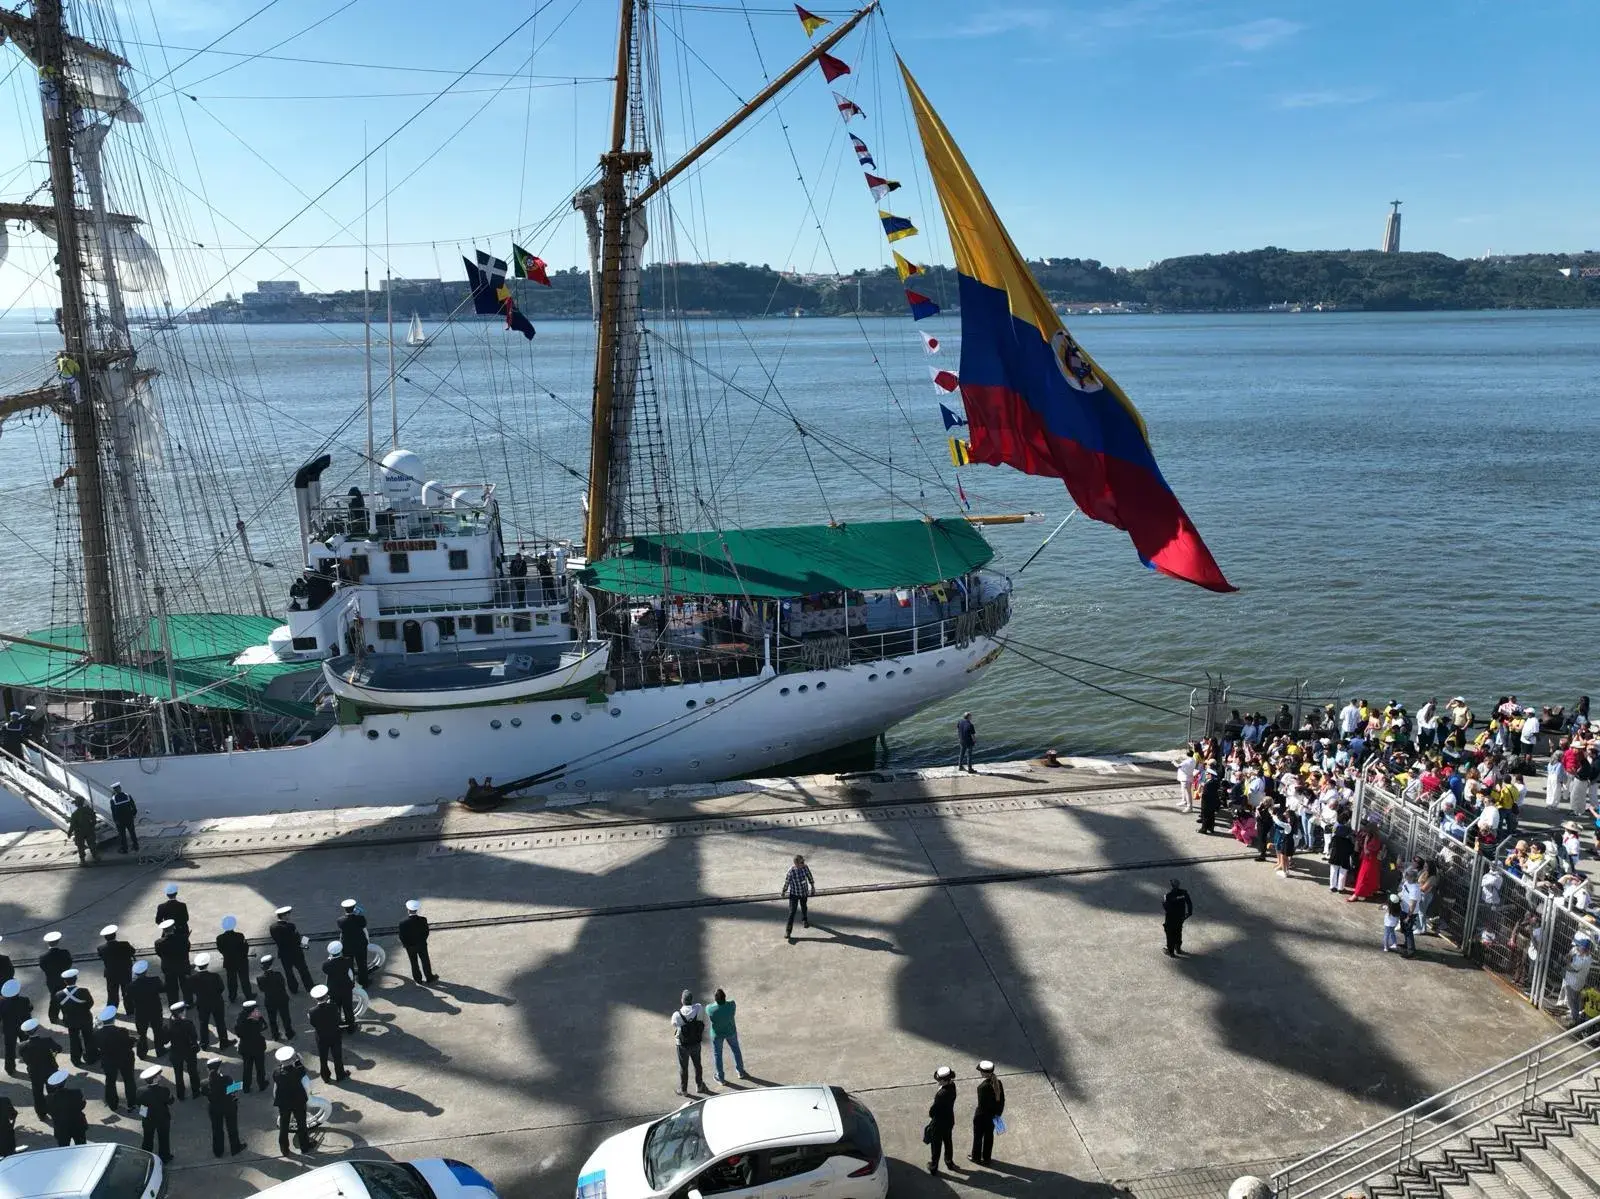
(44, 782)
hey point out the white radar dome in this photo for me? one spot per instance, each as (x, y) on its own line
(402, 475)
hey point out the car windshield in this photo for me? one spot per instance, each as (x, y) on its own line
(392, 1180)
(860, 1129)
(126, 1175)
(674, 1146)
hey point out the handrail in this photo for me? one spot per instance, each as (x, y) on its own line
(1514, 1084)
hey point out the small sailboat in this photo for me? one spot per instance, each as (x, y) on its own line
(414, 335)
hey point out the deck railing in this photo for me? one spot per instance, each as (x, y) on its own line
(1446, 1120)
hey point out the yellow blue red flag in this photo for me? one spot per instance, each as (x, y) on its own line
(1035, 399)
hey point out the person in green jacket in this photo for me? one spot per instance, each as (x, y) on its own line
(724, 1031)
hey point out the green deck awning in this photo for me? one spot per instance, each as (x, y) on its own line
(203, 644)
(792, 561)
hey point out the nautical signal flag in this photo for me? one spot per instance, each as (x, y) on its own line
(951, 420)
(1035, 399)
(921, 306)
(880, 187)
(848, 108)
(930, 343)
(529, 266)
(965, 502)
(896, 227)
(832, 68)
(485, 279)
(960, 451)
(944, 380)
(810, 20)
(903, 266)
(863, 155)
(515, 319)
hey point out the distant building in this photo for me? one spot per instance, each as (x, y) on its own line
(1391, 229)
(280, 289)
(400, 285)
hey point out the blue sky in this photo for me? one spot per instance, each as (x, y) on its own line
(1124, 132)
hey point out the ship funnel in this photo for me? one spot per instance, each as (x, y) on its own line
(308, 494)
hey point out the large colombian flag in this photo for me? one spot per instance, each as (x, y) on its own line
(1034, 397)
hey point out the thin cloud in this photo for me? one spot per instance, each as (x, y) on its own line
(996, 21)
(1253, 36)
(1329, 97)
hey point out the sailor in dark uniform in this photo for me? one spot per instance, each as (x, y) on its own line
(146, 1001)
(942, 1120)
(115, 1044)
(55, 959)
(38, 1053)
(174, 909)
(15, 1007)
(234, 949)
(77, 1013)
(183, 1047)
(155, 1112)
(66, 1107)
(274, 990)
(1175, 909)
(414, 936)
(291, 953)
(116, 961)
(124, 812)
(353, 936)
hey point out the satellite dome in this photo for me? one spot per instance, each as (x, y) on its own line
(402, 475)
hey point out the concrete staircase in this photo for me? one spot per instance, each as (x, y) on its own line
(1528, 1128)
(1548, 1151)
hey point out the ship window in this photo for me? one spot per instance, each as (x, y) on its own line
(435, 729)
(576, 716)
(400, 564)
(458, 559)
(542, 617)
(372, 734)
(872, 678)
(821, 686)
(691, 704)
(783, 691)
(387, 630)
(907, 670)
(804, 688)
(305, 643)
(359, 566)
(447, 626)
(521, 622)
(394, 732)
(555, 718)
(616, 711)
(483, 625)
(494, 724)
(516, 722)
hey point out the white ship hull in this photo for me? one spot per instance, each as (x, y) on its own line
(682, 733)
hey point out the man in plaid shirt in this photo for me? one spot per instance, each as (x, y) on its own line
(797, 885)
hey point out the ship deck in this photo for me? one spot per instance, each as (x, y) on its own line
(1012, 914)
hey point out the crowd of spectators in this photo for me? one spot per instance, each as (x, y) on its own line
(1288, 788)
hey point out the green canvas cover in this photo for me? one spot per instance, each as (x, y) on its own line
(792, 561)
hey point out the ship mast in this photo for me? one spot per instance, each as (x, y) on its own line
(619, 237)
(45, 40)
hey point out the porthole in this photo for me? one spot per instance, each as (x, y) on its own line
(889, 674)
(638, 774)
(804, 688)
(435, 729)
(781, 691)
(821, 686)
(555, 718)
(940, 662)
(655, 770)
(394, 732)
(616, 711)
(516, 722)
(580, 784)
(577, 716)
(691, 704)
(710, 700)
(872, 678)
(372, 734)
(907, 670)
(694, 763)
(731, 757)
(494, 724)
(561, 786)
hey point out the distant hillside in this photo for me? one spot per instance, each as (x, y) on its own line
(1251, 280)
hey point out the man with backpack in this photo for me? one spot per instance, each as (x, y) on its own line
(688, 1031)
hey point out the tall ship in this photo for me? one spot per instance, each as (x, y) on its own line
(429, 645)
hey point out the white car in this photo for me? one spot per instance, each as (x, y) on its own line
(771, 1143)
(82, 1172)
(428, 1178)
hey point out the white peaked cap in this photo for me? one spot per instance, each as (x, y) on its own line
(413, 905)
(11, 987)
(51, 938)
(347, 903)
(284, 910)
(248, 1003)
(172, 889)
(141, 967)
(265, 959)
(109, 930)
(150, 1074)
(320, 991)
(229, 923)
(213, 1063)
(29, 1026)
(335, 948)
(986, 1067)
(108, 1013)
(69, 975)
(285, 1053)
(58, 1079)
(944, 1073)
(202, 961)
(169, 922)
(180, 1007)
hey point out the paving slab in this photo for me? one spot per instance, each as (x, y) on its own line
(959, 920)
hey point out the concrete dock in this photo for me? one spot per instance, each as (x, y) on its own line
(1013, 914)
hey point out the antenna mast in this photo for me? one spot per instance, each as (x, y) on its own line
(366, 312)
(388, 288)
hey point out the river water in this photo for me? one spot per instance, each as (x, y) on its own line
(1405, 501)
